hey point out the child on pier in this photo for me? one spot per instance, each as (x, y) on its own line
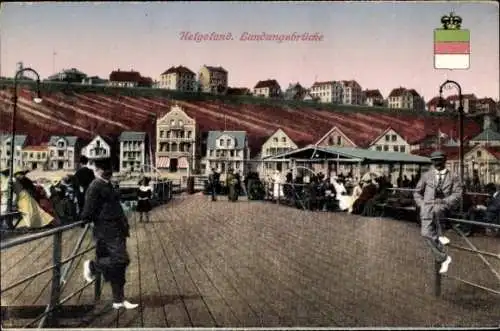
(144, 195)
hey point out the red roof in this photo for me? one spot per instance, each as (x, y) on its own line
(125, 76)
(316, 84)
(400, 91)
(493, 150)
(40, 148)
(220, 69)
(178, 70)
(464, 96)
(270, 83)
(350, 83)
(373, 94)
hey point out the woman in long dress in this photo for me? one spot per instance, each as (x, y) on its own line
(342, 197)
(32, 215)
(277, 185)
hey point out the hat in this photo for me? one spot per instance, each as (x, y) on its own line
(438, 155)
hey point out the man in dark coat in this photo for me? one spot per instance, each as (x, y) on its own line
(436, 193)
(103, 208)
(83, 177)
(213, 182)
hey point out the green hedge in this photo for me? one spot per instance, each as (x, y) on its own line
(51, 87)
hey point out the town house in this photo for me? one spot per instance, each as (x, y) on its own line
(403, 98)
(227, 150)
(62, 152)
(327, 92)
(19, 143)
(131, 78)
(35, 157)
(373, 98)
(178, 78)
(133, 151)
(352, 93)
(267, 89)
(176, 141)
(212, 79)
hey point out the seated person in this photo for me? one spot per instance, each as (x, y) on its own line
(329, 196)
(369, 190)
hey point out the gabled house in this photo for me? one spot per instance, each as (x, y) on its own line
(267, 88)
(5, 146)
(373, 98)
(227, 150)
(178, 79)
(133, 151)
(278, 143)
(335, 137)
(176, 141)
(295, 92)
(437, 104)
(390, 141)
(327, 92)
(212, 79)
(63, 152)
(97, 149)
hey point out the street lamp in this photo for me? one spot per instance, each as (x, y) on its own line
(37, 99)
(461, 126)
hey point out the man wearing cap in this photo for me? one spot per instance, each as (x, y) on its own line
(103, 208)
(436, 193)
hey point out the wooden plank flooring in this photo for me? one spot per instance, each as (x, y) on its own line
(224, 264)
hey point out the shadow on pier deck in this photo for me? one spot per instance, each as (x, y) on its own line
(199, 263)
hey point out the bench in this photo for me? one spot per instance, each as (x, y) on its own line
(399, 205)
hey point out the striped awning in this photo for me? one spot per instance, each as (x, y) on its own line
(162, 162)
(183, 163)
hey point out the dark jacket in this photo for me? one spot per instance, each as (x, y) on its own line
(103, 207)
(493, 210)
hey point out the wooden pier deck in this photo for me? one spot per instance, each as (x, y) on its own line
(208, 264)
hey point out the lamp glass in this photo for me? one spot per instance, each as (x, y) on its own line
(37, 100)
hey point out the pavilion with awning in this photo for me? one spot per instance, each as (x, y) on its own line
(333, 157)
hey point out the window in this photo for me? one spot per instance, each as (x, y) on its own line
(339, 140)
(228, 142)
(221, 142)
(181, 123)
(386, 148)
(330, 141)
(402, 149)
(387, 137)
(394, 137)
(478, 153)
(172, 122)
(231, 153)
(395, 148)
(275, 139)
(60, 153)
(283, 139)
(379, 148)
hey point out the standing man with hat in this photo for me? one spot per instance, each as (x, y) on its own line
(103, 208)
(436, 193)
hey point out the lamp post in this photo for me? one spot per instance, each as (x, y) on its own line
(37, 99)
(461, 128)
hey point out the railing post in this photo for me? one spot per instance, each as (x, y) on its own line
(55, 293)
(97, 287)
(437, 279)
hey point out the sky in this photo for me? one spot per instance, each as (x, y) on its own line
(381, 45)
